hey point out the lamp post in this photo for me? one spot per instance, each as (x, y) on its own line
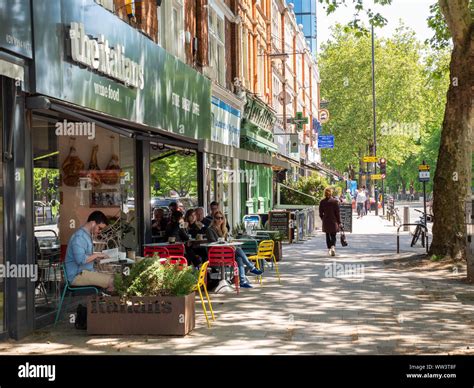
(374, 116)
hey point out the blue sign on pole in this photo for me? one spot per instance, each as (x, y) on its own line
(326, 141)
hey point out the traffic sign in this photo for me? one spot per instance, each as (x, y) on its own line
(424, 176)
(376, 176)
(423, 167)
(323, 116)
(326, 141)
(370, 159)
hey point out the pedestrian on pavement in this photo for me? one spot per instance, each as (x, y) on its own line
(329, 213)
(367, 200)
(360, 201)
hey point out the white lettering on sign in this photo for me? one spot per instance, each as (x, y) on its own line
(185, 104)
(98, 55)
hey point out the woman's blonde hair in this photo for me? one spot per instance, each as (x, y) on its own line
(327, 192)
(222, 230)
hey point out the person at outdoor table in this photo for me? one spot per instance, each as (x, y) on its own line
(218, 229)
(158, 222)
(199, 212)
(175, 228)
(214, 206)
(79, 261)
(192, 226)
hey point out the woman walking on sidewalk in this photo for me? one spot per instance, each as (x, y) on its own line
(329, 213)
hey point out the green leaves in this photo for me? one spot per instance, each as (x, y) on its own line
(411, 83)
(150, 278)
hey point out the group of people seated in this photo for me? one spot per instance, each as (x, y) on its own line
(80, 256)
(193, 223)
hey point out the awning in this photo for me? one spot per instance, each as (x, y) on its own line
(120, 126)
(260, 142)
(212, 147)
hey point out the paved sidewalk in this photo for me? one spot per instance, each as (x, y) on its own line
(381, 306)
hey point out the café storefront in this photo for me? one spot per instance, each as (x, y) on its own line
(110, 116)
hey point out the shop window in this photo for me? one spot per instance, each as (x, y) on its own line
(72, 177)
(173, 178)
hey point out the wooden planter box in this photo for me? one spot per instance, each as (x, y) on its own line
(152, 315)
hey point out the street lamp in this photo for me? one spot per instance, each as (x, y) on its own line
(374, 115)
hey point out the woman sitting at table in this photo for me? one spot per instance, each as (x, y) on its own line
(158, 222)
(217, 229)
(175, 228)
(192, 226)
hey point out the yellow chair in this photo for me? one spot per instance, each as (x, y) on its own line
(202, 284)
(265, 251)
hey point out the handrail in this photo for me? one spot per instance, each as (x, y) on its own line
(398, 235)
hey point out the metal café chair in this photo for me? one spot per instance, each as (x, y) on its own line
(219, 256)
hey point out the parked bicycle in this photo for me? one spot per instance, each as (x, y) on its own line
(420, 230)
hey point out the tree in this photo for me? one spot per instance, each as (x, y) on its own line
(403, 105)
(175, 172)
(454, 157)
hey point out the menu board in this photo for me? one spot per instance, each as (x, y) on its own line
(346, 216)
(280, 221)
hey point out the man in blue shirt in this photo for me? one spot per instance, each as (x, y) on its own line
(80, 258)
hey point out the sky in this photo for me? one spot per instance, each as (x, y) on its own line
(413, 13)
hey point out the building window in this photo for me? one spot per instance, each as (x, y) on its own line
(171, 27)
(217, 45)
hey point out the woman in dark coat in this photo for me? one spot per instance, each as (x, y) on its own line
(329, 213)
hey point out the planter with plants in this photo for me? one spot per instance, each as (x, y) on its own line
(153, 299)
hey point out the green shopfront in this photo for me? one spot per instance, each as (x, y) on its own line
(256, 136)
(109, 116)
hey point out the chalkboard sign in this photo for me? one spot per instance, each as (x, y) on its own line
(280, 221)
(346, 216)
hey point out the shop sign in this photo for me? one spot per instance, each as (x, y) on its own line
(97, 55)
(87, 56)
(15, 27)
(225, 123)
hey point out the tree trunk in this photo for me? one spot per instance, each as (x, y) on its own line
(452, 178)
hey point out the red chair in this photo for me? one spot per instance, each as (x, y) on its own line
(224, 257)
(162, 252)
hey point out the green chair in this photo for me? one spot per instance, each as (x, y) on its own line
(250, 247)
(68, 287)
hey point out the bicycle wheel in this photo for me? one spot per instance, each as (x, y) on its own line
(416, 236)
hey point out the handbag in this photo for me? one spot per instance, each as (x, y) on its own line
(344, 242)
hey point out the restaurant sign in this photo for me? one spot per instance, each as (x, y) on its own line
(87, 56)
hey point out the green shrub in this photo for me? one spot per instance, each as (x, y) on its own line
(150, 278)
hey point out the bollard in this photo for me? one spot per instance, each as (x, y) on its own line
(406, 218)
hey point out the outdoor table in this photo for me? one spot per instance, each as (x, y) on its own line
(223, 244)
(162, 244)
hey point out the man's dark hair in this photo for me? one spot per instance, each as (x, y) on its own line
(176, 216)
(173, 204)
(363, 187)
(98, 217)
(214, 203)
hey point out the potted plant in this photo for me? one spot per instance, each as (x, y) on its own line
(152, 299)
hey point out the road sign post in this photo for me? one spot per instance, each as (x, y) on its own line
(424, 176)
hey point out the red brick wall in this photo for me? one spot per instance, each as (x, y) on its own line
(202, 58)
(145, 18)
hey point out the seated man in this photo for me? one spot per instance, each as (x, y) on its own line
(80, 258)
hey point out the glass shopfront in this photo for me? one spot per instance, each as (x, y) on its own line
(222, 179)
(173, 178)
(73, 176)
